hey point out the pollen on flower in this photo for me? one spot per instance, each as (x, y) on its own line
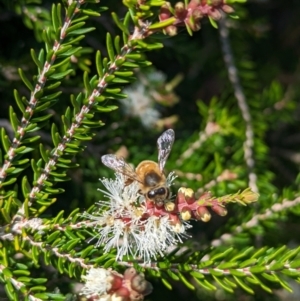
(132, 224)
(136, 226)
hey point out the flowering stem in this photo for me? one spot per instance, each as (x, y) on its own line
(255, 220)
(30, 109)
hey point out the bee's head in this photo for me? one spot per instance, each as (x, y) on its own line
(159, 195)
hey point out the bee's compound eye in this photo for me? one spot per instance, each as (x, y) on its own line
(160, 191)
(151, 194)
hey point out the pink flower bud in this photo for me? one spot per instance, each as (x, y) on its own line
(186, 214)
(171, 30)
(187, 195)
(249, 196)
(181, 196)
(170, 206)
(141, 285)
(116, 281)
(203, 214)
(130, 273)
(193, 4)
(215, 14)
(164, 12)
(227, 9)
(222, 211)
(179, 8)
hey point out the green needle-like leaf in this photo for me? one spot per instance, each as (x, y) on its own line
(110, 47)
(25, 80)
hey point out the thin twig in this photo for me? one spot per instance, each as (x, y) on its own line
(210, 129)
(175, 267)
(255, 220)
(54, 250)
(226, 175)
(242, 102)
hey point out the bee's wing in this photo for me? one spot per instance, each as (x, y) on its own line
(119, 165)
(164, 145)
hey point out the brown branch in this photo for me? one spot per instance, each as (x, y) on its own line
(241, 100)
(30, 109)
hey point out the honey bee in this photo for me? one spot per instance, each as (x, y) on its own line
(149, 174)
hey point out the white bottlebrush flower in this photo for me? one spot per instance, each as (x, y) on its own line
(158, 235)
(129, 226)
(156, 77)
(98, 282)
(108, 285)
(140, 104)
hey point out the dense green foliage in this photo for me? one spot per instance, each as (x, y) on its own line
(64, 86)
